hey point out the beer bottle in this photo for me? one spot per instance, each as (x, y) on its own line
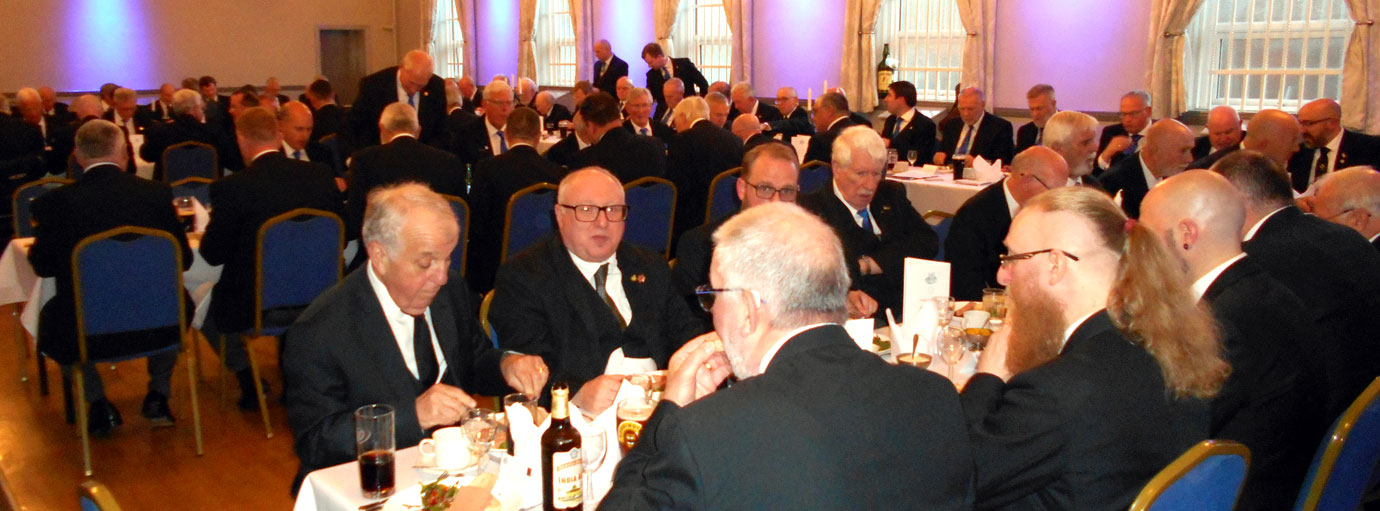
(561, 467)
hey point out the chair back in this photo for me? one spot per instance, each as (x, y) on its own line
(814, 174)
(651, 213)
(946, 220)
(723, 194)
(332, 145)
(484, 306)
(110, 267)
(1343, 469)
(297, 257)
(1206, 478)
(462, 217)
(529, 217)
(94, 496)
(198, 187)
(24, 197)
(190, 159)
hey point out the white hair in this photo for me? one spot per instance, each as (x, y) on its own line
(387, 208)
(186, 101)
(790, 258)
(1062, 127)
(692, 109)
(858, 138)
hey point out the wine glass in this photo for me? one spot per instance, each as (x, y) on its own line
(480, 428)
(593, 448)
(911, 156)
(951, 347)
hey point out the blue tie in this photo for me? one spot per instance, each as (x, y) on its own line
(297, 154)
(967, 140)
(411, 101)
(896, 130)
(866, 221)
(502, 143)
(1135, 143)
(644, 132)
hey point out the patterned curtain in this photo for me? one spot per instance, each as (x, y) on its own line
(1360, 71)
(663, 18)
(581, 16)
(1168, 19)
(464, 10)
(739, 13)
(858, 76)
(527, 50)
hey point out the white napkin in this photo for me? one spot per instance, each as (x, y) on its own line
(607, 421)
(861, 332)
(620, 364)
(200, 217)
(1117, 198)
(900, 338)
(801, 143)
(984, 171)
(900, 166)
(526, 461)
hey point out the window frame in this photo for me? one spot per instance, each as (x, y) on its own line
(927, 39)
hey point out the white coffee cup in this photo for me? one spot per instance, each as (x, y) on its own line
(975, 319)
(448, 447)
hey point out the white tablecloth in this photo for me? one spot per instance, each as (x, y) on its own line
(337, 488)
(944, 195)
(547, 141)
(17, 277)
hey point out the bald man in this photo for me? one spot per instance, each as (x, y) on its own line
(1328, 146)
(1267, 403)
(1166, 150)
(1224, 133)
(620, 92)
(974, 244)
(411, 82)
(1351, 197)
(161, 109)
(748, 128)
(608, 68)
(295, 122)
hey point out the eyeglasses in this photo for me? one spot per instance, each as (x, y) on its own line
(1309, 124)
(1038, 180)
(1011, 258)
(706, 295)
(788, 193)
(590, 212)
(499, 103)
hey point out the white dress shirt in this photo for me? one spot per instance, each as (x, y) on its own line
(771, 352)
(1073, 326)
(965, 132)
(857, 218)
(613, 285)
(1011, 205)
(293, 153)
(494, 145)
(1251, 233)
(1150, 179)
(403, 95)
(403, 327)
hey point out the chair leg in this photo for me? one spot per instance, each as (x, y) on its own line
(23, 344)
(191, 388)
(258, 388)
(221, 379)
(82, 422)
(68, 404)
(42, 374)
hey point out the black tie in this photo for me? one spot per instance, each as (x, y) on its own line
(601, 277)
(1320, 168)
(422, 351)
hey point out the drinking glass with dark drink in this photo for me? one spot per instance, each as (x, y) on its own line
(185, 213)
(632, 416)
(374, 445)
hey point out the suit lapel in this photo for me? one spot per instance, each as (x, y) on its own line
(631, 271)
(577, 289)
(447, 335)
(379, 340)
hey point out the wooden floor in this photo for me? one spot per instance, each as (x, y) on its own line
(145, 468)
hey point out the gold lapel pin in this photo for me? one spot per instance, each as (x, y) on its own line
(638, 278)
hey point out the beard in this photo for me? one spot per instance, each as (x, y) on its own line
(1038, 326)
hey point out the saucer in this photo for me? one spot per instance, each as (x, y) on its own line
(427, 463)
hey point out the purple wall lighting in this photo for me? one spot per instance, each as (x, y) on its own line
(627, 24)
(106, 41)
(497, 31)
(797, 44)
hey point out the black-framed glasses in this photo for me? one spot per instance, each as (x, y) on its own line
(706, 295)
(788, 193)
(1038, 180)
(589, 212)
(1011, 258)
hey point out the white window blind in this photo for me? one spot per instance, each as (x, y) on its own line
(554, 36)
(926, 38)
(701, 33)
(447, 45)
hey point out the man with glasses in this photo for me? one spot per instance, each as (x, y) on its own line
(1328, 147)
(1121, 140)
(484, 138)
(977, 133)
(877, 223)
(975, 238)
(1167, 150)
(795, 120)
(626, 155)
(594, 309)
(412, 82)
(639, 120)
(701, 151)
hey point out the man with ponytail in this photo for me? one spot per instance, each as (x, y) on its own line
(1102, 375)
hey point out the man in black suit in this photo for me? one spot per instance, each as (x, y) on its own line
(777, 286)
(401, 157)
(129, 117)
(1167, 150)
(470, 95)
(1329, 147)
(160, 109)
(217, 106)
(639, 120)
(608, 68)
(593, 308)
(484, 138)
(979, 133)
(413, 83)
(620, 92)
(551, 112)
(271, 184)
(626, 155)
(748, 129)
(1071, 408)
(457, 117)
(878, 225)
(1333, 270)
(327, 117)
(794, 120)
(1267, 402)
(1074, 136)
(188, 124)
(700, 152)
(273, 89)
(745, 102)
(974, 245)
(661, 68)
(29, 108)
(907, 129)
(22, 155)
(62, 139)
(1043, 105)
(1223, 133)
(295, 121)
(718, 109)
(831, 117)
(54, 108)
(674, 92)
(397, 333)
(495, 181)
(566, 152)
(1351, 197)
(1121, 140)
(103, 197)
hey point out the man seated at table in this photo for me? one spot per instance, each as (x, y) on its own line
(1101, 375)
(907, 129)
(592, 308)
(814, 422)
(103, 197)
(831, 117)
(877, 223)
(400, 333)
(1167, 150)
(1074, 136)
(639, 121)
(626, 155)
(270, 185)
(977, 134)
(771, 173)
(701, 151)
(974, 245)
(565, 152)
(794, 120)
(188, 124)
(1123, 139)
(1351, 197)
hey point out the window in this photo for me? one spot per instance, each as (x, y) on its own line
(701, 33)
(555, 41)
(1259, 54)
(447, 41)
(926, 38)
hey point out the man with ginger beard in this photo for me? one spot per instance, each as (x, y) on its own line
(1267, 402)
(1099, 379)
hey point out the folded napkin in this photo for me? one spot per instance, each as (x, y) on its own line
(985, 171)
(607, 423)
(524, 468)
(801, 144)
(861, 332)
(200, 217)
(619, 363)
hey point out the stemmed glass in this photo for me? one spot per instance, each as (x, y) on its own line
(593, 448)
(951, 347)
(480, 428)
(911, 156)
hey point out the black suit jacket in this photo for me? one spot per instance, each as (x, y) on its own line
(340, 355)
(1356, 149)
(1127, 177)
(1208, 161)
(974, 243)
(1086, 430)
(330, 120)
(402, 159)
(826, 427)
(551, 121)
(917, 135)
(270, 186)
(797, 123)
(380, 89)
(102, 198)
(697, 155)
(182, 128)
(142, 119)
(470, 142)
(695, 84)
(543, 306)
(663, 133)
(904, 234)
(158, 111)
(21, 156)
(1267, 403)
(627, 155)
(1108, 133)
(693, 252)
(758, 139)
(1026, 136)
(993, 140)
(822, 143)
(765, 113)
(494, 182)
(565, 152)
(607, 81)
(1336, 274)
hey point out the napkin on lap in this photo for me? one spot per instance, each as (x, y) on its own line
(200, 217)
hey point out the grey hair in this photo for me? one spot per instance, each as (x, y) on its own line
(387, 208)
(716, 98)
(398, 117)
(492, 90)
(98, 139)
(637, 92)
(790, 258)
(743, 87)
(1063, 126)
(974, 91)
(1040, 89)
(855, 138)
(675, 82)
(1138, 93)
(123, 94)
(186, 101)
(692, 109)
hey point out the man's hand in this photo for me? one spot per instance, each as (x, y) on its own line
(860, 305)
(1117, 145)
(442, 405)
(868, 266)
(340, 183)
(524, 373)
(598, 394)
(696, 370)
(940, 158)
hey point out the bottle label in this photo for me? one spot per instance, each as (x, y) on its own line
(566, 478)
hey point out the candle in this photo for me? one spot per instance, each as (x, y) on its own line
(826, 87)
(810, 102)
